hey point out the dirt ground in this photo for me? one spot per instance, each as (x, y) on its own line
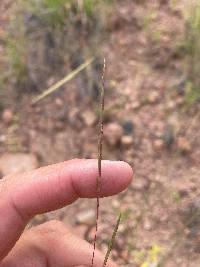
(147, 124)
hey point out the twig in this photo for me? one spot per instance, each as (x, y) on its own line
(111, 243)
(100, 142)
(66, 79)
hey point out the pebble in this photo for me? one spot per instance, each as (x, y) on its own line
(115, 203)
(125, 254)
(121, 228)
(147, 225)
(168, 135)
(2, 138)
(128, 127)
(126, 141)
(181, 86)
(113, 133)
(88, 117)
(86, 217)
(141, 184)
(120, 242)
(7, 116)
(59, 102)
(17, 163)
(170, 105)
(51, 81)
(183, 145)
(135, 105)
(179, 101)
(158, 144)
(153, 97)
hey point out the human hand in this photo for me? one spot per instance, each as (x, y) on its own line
(46, 189)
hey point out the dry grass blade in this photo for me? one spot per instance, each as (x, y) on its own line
(100, 142)
(112, 241)
(66, 79)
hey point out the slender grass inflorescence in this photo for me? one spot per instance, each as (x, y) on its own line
(100, 145)
(100, 142)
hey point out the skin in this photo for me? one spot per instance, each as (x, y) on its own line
(46, 189)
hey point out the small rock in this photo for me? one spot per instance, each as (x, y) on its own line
(168, 135)
(88, 117)
(121, 228)
(184, 145)
(120, 242)
(158, 144)
(74, 119)
(141, 184)
(113, 133)
(126, 140)
(170, 105)
(153, 97)
(180, 101)
(59, 102)
(51, 81)
(7, 116)
(17, 163)
(147, 225)
(125, 254)
(181, 87)
(135, 105)
(115, 254)
(2, 138)
(115, 203)
(86, 217)
(128, 127)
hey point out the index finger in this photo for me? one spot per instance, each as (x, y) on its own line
(50, 188)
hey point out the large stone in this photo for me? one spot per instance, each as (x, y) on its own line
(17, 163)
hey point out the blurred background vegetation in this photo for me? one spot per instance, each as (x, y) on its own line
(152, 49)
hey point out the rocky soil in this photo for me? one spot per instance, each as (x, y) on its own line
(147, 124)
